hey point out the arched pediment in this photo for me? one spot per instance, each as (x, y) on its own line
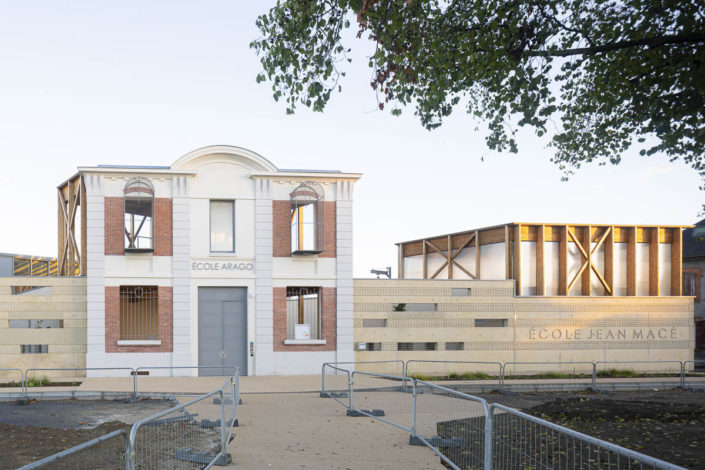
(224, 153)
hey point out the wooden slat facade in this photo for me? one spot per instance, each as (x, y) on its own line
(594, 243)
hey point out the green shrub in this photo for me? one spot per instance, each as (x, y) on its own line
(38, 382)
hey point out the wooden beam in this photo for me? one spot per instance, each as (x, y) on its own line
(609, 261)
(424, 253)
(400, 261)
(563, 261)
(587, 246)
(477, 255)
(449, 254)
(517, 258)
(540, 270)
(468, 273)
(631, 261)
(677, 262)
(61, 232)
(654, 261)
(438, 271)
(507, 254)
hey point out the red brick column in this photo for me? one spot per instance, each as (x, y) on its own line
(114, 226)
(163, 231)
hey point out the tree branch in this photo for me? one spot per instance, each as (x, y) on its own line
(651, 42)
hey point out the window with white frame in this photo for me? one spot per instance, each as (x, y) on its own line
(139, 313)
(303, 313)
(222, 214)
(307, 219)
(139, 215)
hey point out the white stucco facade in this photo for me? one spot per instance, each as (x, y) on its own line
(255, 185)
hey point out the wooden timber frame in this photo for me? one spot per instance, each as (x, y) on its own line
(71, 199)
(587, 240)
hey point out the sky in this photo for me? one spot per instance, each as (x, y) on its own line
(95, 82)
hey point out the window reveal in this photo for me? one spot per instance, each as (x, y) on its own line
(222, 226)
(307, 219)
(139, 315)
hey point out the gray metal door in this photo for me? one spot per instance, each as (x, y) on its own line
(222, 329)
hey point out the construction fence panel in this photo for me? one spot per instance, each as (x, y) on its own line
(105, 452)
(388, 398)
(653, 373)
(187, 436)
(110, 381)
(521, 441)
(534, 372)
(373, 367)
(11, 383)
(452, 424)
(188, 380)
(482, 372)
(335, 384)
(693, 375)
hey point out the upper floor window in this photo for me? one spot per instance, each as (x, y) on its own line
(139, 215)
(307, 219)
(223, 226)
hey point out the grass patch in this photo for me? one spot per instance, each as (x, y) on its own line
(455, 376)
(620, 373)
(38, 381)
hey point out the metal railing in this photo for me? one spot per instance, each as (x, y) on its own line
(522, 441)
(105, 452)
(466, 432)
(559, 370)
(12, 381)
(193, 433)
(454, 370)
(693, 370)
(111, 380)
(151, 379)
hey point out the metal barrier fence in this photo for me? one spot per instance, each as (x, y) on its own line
(693, 370)
(521, 441)
(652, 372)
(560, 370)
(11, 382)
(105, 452)
(454, 370)
(192, 380)
(453, 424)
(468, 433)
(190, 433)
(335, 383)
(193, 434)
(112, 380)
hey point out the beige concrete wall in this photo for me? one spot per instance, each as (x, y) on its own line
(537, 328)
(57, 298)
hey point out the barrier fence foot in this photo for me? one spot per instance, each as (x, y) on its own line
(437, 441)
(240, 402)
(228, 401)
(334, 395)
(357, 414)
(204, 457)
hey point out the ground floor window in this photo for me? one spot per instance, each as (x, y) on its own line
(303, 313)
(139, 316)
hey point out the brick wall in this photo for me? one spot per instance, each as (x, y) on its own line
(114, 226)
(163, 233)
(281, 229)
(328, 321)
(112, 322)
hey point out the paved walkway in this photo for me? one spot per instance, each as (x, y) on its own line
(284, 424)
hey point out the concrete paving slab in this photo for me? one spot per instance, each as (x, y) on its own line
(302, 430)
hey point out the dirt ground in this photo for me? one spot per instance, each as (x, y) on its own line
(669, 425)
(37, 430)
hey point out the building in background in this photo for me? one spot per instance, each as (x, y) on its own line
(693, 265)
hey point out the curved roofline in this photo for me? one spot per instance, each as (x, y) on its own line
(224, 149)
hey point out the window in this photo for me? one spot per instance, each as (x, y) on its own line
(374, 323)
(455, 346)
(460, 291)
(223, 226)
(139, 215)
(40, 268)
(35, 349)
(373, 346)
(490, 322)
(139, 316)
(303, 313)
(307, 219)
(36, 323)
(417, 346)
(22, 267)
